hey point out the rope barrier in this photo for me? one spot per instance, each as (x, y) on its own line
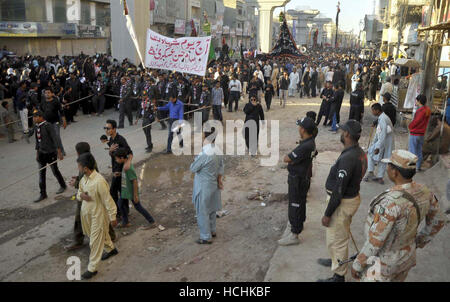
(79, 100)
(92, 147)
(135, 97)
(91, 95)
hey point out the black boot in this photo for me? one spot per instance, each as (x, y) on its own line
(41, 198)
(88, 275)
(324, 262)
(335, 278)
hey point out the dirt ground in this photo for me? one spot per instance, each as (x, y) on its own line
(246, 236)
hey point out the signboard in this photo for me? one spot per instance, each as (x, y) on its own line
(425, 15)
(90, 31)
(187, 54)
(411, 33)
(73, 10)
(238, 31)
(17, 29)
(180, 27)
(196, 3)
(226, 30)
(37, 29)
(445, 57)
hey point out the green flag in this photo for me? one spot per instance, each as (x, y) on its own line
(212, 53)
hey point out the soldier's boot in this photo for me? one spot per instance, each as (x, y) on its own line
(335, 278)
(324, 262)
(290, 239)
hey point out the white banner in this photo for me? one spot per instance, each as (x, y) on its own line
(186, 55)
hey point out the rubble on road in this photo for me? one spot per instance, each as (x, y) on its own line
(222, 213)
(153, 249)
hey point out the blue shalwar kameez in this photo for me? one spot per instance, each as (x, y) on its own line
(206, 196)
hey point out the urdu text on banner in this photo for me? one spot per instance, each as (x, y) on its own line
(186, 55)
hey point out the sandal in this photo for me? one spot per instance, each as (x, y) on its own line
(201, 241)
(121, 225)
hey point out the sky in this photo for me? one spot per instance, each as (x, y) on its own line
(352, 11)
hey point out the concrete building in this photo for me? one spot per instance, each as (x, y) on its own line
(373, 26)
(401, 20)
(241, 18)
(233, 20)
(309, 21)
(55, 27)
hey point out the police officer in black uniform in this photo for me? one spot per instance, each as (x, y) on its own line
(299, 163)
(357, 104)
(343, 186)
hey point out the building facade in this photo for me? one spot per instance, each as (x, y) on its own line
(55, 27)
(232, 20)
(399, 35)
(309, 23)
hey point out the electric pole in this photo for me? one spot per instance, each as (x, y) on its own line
(337, 24)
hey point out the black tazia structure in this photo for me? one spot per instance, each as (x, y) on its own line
(285, 46)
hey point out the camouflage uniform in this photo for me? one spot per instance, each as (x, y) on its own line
(391, 232)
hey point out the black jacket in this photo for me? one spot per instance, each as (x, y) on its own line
(284, 83)
(48, 143)
(357, 98)
(255, 113)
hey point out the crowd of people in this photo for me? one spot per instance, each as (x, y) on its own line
(50, 92)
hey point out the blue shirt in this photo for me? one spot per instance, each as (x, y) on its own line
(289, 67)
(176, 110)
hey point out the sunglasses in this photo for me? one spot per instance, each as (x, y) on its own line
(107, 128)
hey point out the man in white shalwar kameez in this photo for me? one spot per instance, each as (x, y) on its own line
(294, 79)
(98, 210)
(381, 147)
(208, 168)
